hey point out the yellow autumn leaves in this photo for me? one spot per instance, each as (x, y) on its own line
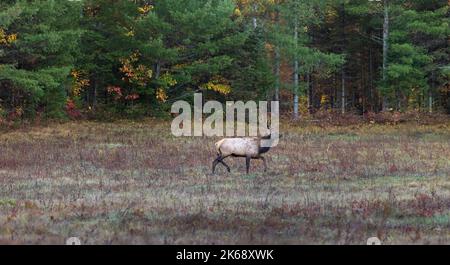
(129, 32)
(80, 82)
(139, 74)
(324, 100)
(6, 39)
(218, 84)
(237, 12)
(168, 81)
(161, 95)
(145, 9)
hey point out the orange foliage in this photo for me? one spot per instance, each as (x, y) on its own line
(139, 74)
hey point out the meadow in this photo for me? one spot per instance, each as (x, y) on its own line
(134, 183)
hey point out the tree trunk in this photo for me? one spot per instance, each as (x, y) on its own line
(430, 101)
(342, 91)
(94, 95)
(255, 21)
(363, 88)
(312, 93)
(157, 69)
(277, 64)
(385, 49)
(336, 91)
(343, 66)
(308, 91)
(277, 74)
(371, 98)
(296, 88)
(430, 94)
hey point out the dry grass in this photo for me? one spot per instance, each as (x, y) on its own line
(133, 183)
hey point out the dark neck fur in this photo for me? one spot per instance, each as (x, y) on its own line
(263, 150)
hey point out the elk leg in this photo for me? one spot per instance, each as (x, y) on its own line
(247, 163)
(225, 164)
(216, 161)
(265, 164)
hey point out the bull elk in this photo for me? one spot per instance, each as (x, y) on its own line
(248, 147)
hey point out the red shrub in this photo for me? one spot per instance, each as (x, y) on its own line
(132, 97)
(15, 114)
(71, 110)
(115, 91)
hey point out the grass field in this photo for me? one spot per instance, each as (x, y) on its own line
(133, 183)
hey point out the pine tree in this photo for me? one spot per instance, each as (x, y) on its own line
(298, 18)
(38, 54)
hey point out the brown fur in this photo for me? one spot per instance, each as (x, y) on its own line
(248, 147)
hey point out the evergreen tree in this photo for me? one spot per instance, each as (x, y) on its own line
(134, 58)
(40, 44)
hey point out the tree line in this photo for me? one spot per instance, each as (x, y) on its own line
(134, 58)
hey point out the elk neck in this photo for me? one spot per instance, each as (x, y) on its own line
(261, 149)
